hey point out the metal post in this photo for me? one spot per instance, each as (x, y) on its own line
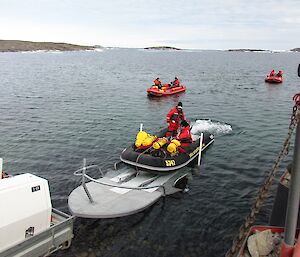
(141, 127)
(294, 196)
(83, 181)
(200, 149)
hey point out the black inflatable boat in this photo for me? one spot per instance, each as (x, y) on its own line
(161, 160)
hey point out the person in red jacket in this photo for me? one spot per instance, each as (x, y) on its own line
(185, 136)
(175, 83)
(272, 73)
(174, 118)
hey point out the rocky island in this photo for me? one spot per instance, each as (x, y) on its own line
(162, 48)
(247, 50)
(20, 46)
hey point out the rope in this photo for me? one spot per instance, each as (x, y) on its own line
(137, 159)
(263, 191)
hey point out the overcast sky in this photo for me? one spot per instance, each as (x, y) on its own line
(191, 24)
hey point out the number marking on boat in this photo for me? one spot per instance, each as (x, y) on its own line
(170, 163)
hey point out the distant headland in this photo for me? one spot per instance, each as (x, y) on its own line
(260, 50)
(23, 46)
(162, 48)
(247, 50)
(20, 46)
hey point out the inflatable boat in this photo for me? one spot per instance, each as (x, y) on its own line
(273, 79)
(160, 160)
(165, 90)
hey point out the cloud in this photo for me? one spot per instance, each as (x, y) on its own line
(139, 23)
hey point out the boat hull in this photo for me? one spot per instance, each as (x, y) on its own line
(167, 163)
(273, 79)
(153, 91)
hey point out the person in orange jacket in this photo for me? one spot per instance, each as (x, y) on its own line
(185, 136)
(157, 83)
(174, 118)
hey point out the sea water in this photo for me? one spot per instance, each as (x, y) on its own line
(57, 109)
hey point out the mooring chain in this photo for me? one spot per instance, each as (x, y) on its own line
(263, 192)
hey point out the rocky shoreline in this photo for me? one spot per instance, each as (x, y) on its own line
(247, 50)
(295, 50)
(162, 48)
(20, 46)
(23, 46)
(260, 50)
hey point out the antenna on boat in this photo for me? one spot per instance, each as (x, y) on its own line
(141, 127)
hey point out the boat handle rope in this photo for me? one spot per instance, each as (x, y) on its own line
(137, 159)
(86, 176)
(263, 191)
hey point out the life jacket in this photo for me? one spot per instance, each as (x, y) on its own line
(157, 82)
(144, 140)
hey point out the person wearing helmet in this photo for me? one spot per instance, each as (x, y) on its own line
(174, 118)
(157, 83)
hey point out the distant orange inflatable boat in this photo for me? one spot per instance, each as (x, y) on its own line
(274, 77)
(165, 90)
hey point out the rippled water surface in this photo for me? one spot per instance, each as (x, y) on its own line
(58, 108)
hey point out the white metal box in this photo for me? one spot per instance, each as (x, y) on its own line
(25, 208)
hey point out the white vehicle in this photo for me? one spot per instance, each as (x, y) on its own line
(29, 226)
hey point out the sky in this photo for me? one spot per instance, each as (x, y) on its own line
(188, 24)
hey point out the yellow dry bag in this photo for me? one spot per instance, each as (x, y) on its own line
(159, 143)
